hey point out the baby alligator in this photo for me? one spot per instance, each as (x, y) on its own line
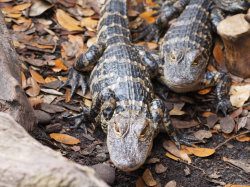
(123, 98)
(187, 45)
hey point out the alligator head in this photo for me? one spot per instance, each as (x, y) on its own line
(183, 69)
(129, 140)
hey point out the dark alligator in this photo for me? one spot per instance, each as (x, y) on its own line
(186, 47)
(122, 92)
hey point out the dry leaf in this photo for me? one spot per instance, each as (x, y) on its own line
(206, 114)
(204, 91)
(171, 147)
(171, 184)
(34, 89)
(37, 76)
(89, 23)
(148, 178)
(169, 155)
(35, 100)
(24, 84)
(236, 113)
(140, 183)
(201, 134)
(64, 138)
(67, 95)
(243, 138)
(39, 7)
(59, 65)
(243, 164)
(51, 91)
(201, 152)
(176, 112)
(227, 135)
(239, 94)
(50, 79)
(147, 16)
(218, 54)
(227, 124)
(66, 21)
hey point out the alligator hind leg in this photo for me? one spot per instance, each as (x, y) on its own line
(160, 116)
(222, 81)
(83, 63)
(104, 102)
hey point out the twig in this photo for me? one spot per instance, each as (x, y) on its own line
(221, 144)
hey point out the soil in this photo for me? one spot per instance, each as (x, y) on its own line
(213, 164)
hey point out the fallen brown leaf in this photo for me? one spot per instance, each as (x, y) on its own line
(147, 16)
(206, 114)
(218, 54)
(243, 138)
(243, 164)
(227, 124)
(34, 89)
(59, 65)
(148, 178)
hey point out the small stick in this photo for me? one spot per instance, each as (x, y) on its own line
(221, 144)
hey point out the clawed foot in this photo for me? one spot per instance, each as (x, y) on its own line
(81, 119)
(182, 140)
(223, 105)
(149, 32)
(75, 80)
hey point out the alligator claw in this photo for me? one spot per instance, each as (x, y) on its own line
(183, 140)
(81, 119)
(223, 105)
(75, 79)
(150, 32)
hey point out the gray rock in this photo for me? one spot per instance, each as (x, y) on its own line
(105, 172)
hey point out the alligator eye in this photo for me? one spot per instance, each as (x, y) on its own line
(144, 131)
(172, 57)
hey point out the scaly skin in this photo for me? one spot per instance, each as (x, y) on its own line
(122, 92)
(187, 45)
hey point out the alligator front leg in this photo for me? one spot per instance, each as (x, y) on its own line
(160, 117)
(83, 63)
(168, 11)
(104, 102)
(222, 81)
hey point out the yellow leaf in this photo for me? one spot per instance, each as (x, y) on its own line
(227, 135)
(22, 6)
(37, 76)
(14, 15)
(50, 79)
(66, 21)
(204, 91)
(201, 152)
(176, 112)
(172, 156)
(89, 23)
(243, 138)
(206, 114)
(59, 65)
(147, 16)
(64, 138)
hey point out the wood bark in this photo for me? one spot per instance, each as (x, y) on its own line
(25, 162)
(235, 33)
(12, 95)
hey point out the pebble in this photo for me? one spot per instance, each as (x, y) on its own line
(43, 117)
(101, 157)
(244, 113)
(159, 168)
(105, 172)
